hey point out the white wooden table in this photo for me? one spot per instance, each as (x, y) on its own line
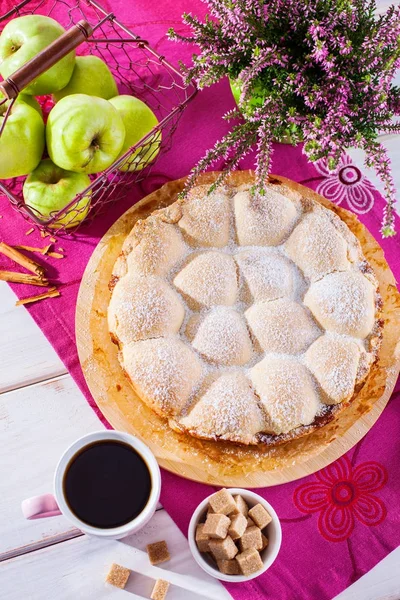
(41, 412)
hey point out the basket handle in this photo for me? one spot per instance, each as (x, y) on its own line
(43, 61)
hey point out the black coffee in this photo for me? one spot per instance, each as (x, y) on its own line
(107, 484)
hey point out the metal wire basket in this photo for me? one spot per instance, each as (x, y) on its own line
(139, 71)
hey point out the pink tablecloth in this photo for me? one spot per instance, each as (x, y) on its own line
(338, 523)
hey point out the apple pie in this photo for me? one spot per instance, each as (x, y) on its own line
(242, 318)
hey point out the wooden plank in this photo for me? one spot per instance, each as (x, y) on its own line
(25, 355)
(37, 423)
(45, 542)
(77, 569)
(381, 583)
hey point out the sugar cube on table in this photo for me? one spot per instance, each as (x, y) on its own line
(222, 502)
(238, 526)
(251, 539)
(249, 561)
(223, 549)
(229, 567)
(118, 576)
(158, 552)
(241, 504)
(260, 516)
(216, 526)
(202, 539)
(160, 590)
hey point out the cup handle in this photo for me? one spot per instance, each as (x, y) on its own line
(40, 507)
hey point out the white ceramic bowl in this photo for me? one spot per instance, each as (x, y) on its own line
(268, 555)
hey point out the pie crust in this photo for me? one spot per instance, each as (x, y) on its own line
(250, 320)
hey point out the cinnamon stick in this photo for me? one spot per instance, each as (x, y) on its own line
(55, 254)
(13, 277)
(33, 249)
(51, 293)
(21, 259)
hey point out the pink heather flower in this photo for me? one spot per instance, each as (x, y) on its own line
(319, 72)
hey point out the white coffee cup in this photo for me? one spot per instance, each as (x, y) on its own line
(49, 505)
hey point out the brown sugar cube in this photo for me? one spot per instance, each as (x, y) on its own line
(222, 502)
(158, 552)
(118, 576)
(241, 504)
(229, 567)
(260, 516)
(223, 549)
(160, 590)
(265, 541)
(251, 539)
(249, 561)
(250, 523)
(238, 526)
(201, 538)
(216, 526)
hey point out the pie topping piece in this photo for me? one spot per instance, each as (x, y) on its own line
(244, 319)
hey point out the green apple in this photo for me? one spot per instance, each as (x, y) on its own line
(90, 76)
(139, 120)
(22, 39)
(84, 133)
(27, 99)
(49, 189)
(22, 141)
(31, 100)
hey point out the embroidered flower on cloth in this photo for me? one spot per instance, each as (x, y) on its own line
(341, 494)
(345, 183)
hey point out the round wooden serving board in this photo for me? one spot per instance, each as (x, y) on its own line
(212, 462)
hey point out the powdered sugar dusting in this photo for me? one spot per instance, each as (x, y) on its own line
(222, 337)
(232, 325)
(263, 220)
(334, 359)
(286, 391)
(166, 371)
(267, 274)
(209, 279)
(159, 248)
(282, 326)
(344, 303)
(228, 410)
(206, 217)
(143, 307)
(317, 247)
